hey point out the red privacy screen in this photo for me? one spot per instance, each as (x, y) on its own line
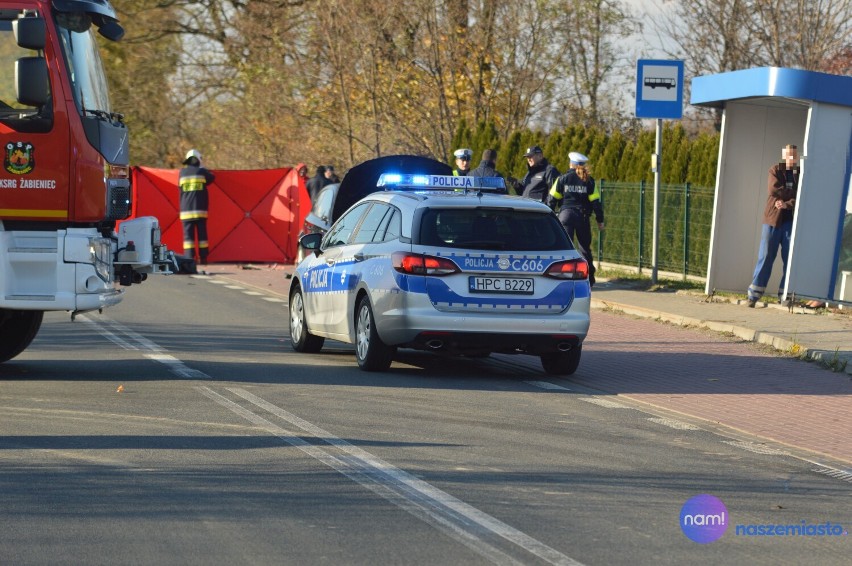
(254, 216)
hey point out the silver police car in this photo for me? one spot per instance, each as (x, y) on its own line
(443, 264)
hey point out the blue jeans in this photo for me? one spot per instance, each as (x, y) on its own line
(771, 238)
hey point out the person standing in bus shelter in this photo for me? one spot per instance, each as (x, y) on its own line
(777, 222)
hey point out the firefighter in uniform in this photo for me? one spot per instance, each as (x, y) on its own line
(193, 180)
(575, 197)
(462, 162)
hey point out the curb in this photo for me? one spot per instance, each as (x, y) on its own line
(748, 334)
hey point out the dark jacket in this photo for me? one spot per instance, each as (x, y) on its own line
(783, 185)
(538, 180)
(461, 172)
(193, 181)
(570, 191)
(316, 183)
(485, 169)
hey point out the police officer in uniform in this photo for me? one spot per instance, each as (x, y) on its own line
(575, 197)
(540, 175)
(193, 180)
(463, 157)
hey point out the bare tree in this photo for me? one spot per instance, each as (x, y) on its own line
(714, 36)
(589, 32)
(710, 36)
(139, 69)
(280, 81)
(800, 33)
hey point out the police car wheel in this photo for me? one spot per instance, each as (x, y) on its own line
(372, 354)
(300, 337)
(562, 363)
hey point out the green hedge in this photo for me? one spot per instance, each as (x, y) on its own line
(622, 165)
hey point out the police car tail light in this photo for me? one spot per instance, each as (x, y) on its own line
(419, 264)
(571, 269)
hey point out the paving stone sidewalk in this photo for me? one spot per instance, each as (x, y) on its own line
(815, 333)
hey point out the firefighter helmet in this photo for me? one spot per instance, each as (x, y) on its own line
(192, 153)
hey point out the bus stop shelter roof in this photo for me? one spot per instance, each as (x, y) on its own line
(771, 82)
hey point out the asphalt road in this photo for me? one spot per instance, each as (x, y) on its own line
(180, 428)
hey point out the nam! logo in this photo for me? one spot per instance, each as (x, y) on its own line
(20, 158)
(704, 518)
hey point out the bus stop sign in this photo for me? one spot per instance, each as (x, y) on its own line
(659, 89)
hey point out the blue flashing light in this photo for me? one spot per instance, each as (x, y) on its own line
(396, 181)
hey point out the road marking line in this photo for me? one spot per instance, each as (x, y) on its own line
(546, 385)
(135, 341)
(755, 447)
(452, 516)
(274, 300)
(604, 403)
(833, 472)
(217, 281)
(672, 423)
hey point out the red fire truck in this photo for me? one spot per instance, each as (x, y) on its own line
(65, 181)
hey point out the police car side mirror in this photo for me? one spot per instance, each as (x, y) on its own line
(111, 30)
(311, 242)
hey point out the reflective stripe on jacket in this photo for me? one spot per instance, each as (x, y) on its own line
(570, 191)
(193, 182)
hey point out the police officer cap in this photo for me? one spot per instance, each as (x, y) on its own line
(577, 158)
(532, 151)
(192, 153)
(463, 153)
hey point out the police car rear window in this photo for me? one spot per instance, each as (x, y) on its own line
(492, 229)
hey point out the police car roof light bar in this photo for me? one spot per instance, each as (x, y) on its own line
(397, 181)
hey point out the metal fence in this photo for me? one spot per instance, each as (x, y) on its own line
(686, 214)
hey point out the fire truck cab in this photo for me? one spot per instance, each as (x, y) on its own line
(65, 179)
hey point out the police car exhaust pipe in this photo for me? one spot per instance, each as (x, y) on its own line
(564, 346)
(435, 344)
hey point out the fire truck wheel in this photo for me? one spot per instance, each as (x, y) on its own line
(17, 330)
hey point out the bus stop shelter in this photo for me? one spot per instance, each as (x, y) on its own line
(764, 109)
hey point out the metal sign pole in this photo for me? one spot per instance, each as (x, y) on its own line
(655, 240)
(659, 94)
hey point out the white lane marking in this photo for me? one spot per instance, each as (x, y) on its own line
(452, 516)
(361, 475)
(252, 293)
(217, 281)
(603, 403)
(833, 472)
(546, 385)
(235, 287)
(755, 447)
(274, 300)
(134, 341)
(672, 423)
